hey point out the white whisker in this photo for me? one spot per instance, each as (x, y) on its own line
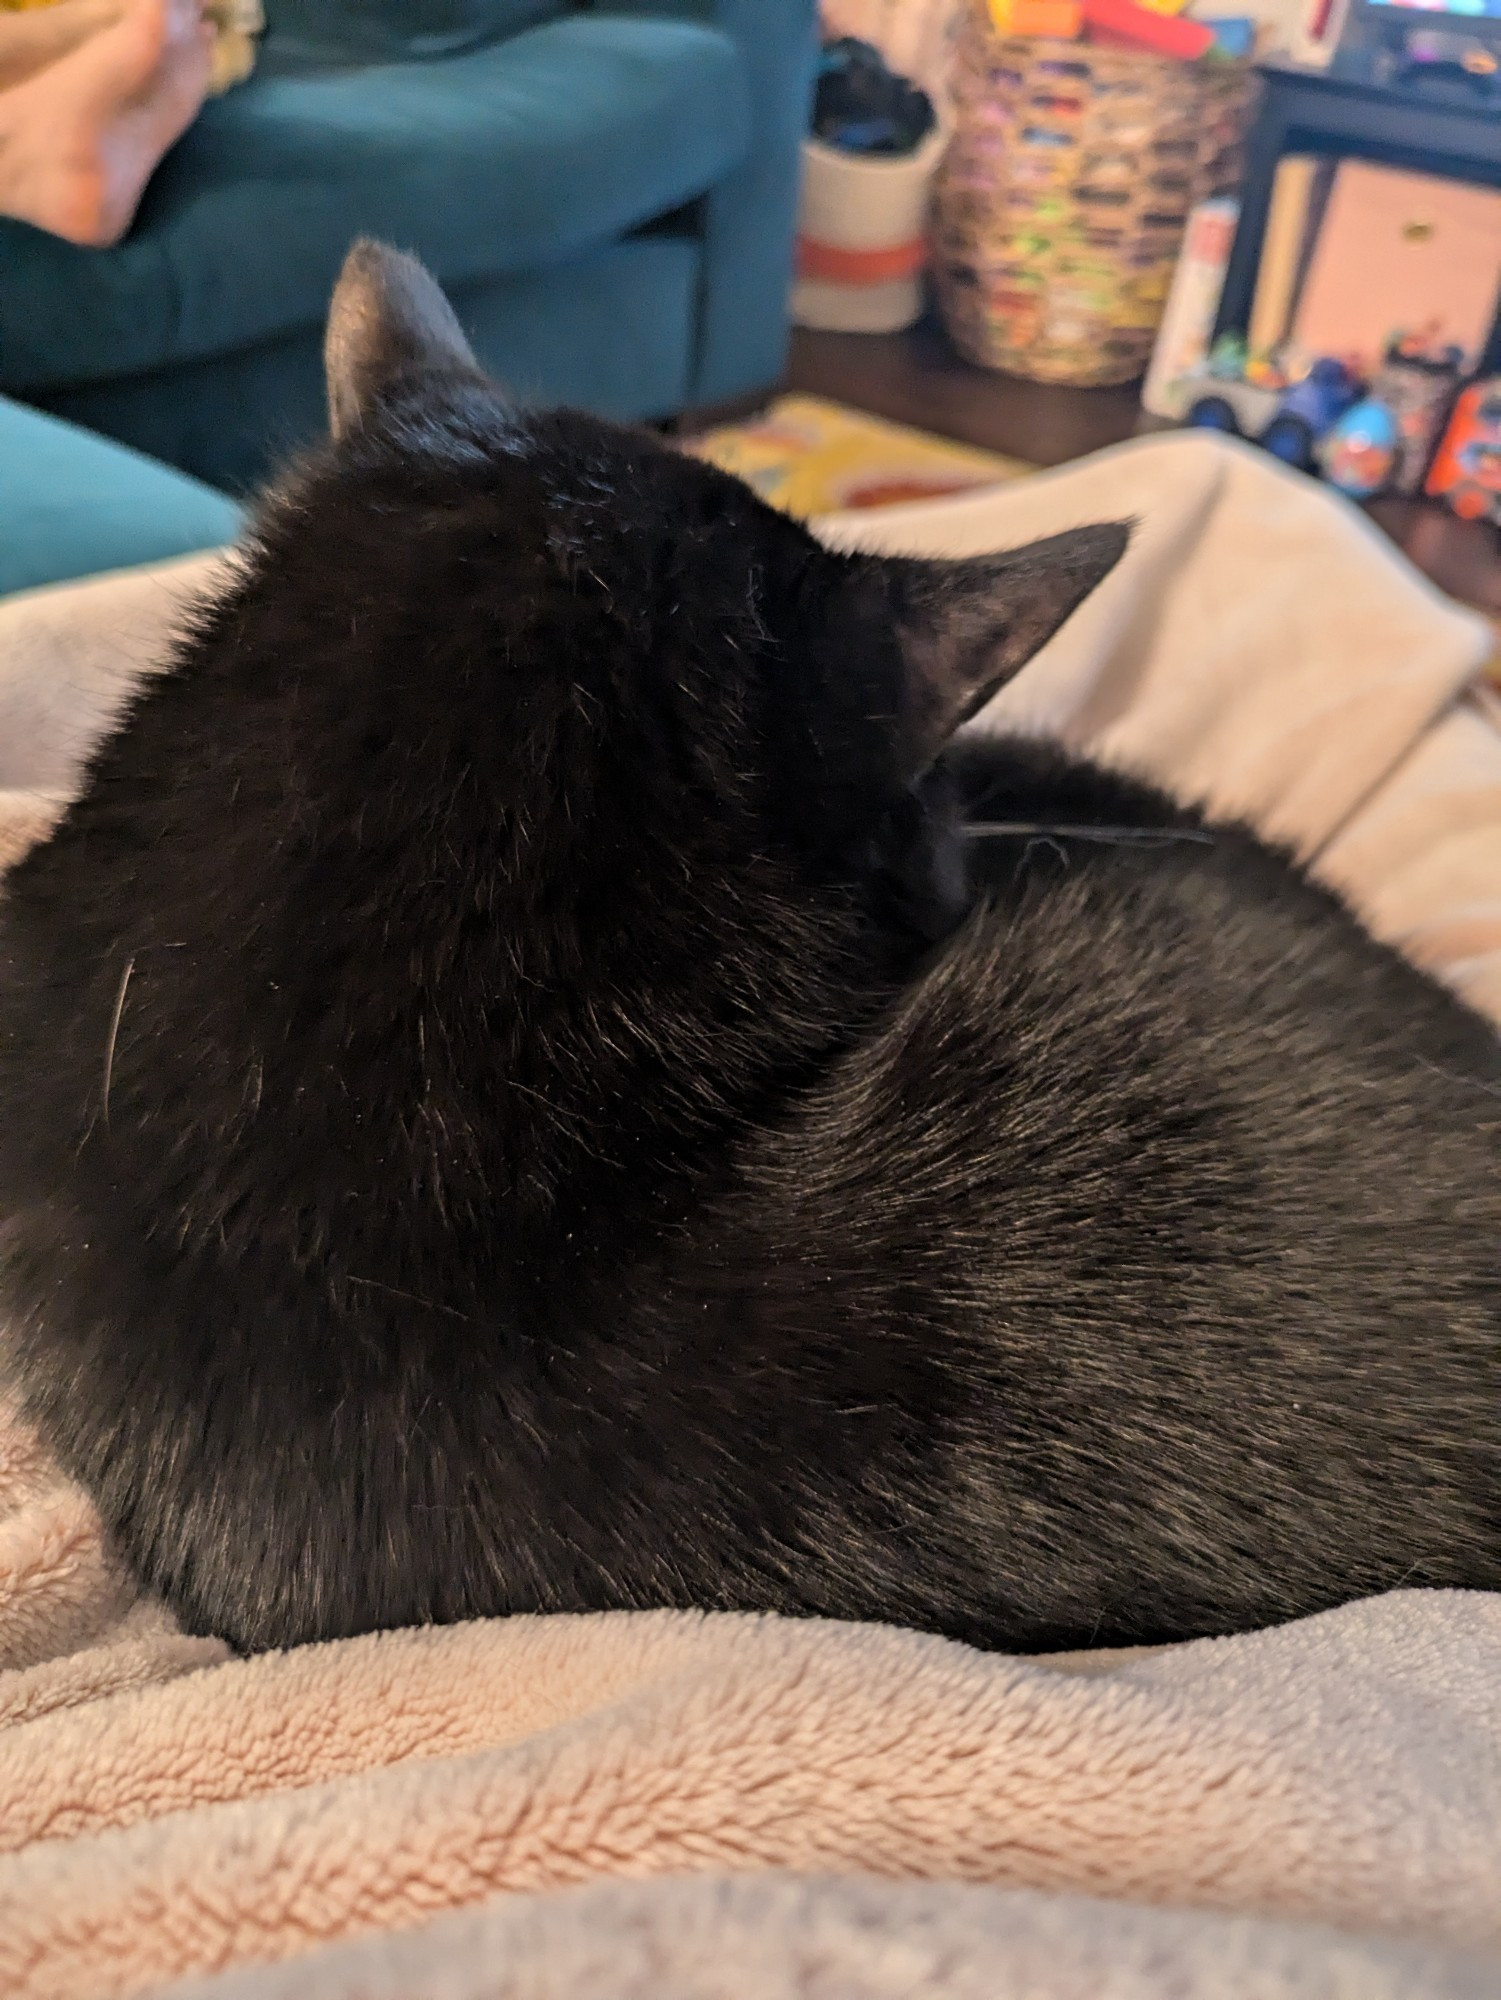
(114, 1032)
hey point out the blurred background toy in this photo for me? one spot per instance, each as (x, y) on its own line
(1360, 452)
(1122, 24)
(1182, 344)
(1062, 20)
(1227, 358)
(1417, 381)
(1309, 409)
(1467, 469)
(1232, 405)
(1286, 409)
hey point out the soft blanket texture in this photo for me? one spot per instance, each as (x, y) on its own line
(1307, 1811)
(781, 1937)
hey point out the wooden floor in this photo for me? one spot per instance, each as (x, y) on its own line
(917, 378)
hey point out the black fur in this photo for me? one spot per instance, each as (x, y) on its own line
(518, 1092)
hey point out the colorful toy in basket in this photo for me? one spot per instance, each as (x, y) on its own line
(1122, 24)
(1053, 250)
(1062, 20)
(1155, 25)
(1467, 470)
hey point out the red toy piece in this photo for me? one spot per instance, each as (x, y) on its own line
(1467, 470)
(1124, 24)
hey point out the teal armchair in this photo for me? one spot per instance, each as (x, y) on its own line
(608, 193)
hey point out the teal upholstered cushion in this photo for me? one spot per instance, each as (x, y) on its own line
(612, 331)
(72, 503)
(505, 159)
(748, 218)
(403, 28)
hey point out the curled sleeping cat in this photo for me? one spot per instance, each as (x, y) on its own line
(522, 1088)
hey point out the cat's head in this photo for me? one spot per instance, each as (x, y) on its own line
(540, 795)
(651, 600)
(948, 633)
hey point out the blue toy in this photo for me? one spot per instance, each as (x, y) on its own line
(1310, 409)
(1226, 403)
(1359, 453)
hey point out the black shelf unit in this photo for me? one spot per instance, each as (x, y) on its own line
(1311, 111)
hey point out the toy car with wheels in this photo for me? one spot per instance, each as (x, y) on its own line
(1239, 409)
(1310, 409)
(1286, 422)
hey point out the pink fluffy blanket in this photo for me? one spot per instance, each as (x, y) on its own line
(668, 1805)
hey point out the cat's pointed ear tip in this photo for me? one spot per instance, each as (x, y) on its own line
(363, 253)
(1123, 531)
(372, 265)
(371, 270)
(388, 316)
(1073, 564)
(1103, 543)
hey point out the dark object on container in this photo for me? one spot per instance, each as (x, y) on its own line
(863, 107)
(1233, 407)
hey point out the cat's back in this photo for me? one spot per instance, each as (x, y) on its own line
(1194, 1189)
(1178, 1020)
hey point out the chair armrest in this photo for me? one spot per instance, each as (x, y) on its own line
(750, 219)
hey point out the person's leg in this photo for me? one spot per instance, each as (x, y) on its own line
(80, 139)
(40, 35)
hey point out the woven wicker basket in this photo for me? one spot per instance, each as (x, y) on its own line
(1061, 202)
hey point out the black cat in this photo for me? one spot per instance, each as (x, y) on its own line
(520, 1091)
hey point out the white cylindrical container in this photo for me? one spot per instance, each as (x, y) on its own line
(862, 237)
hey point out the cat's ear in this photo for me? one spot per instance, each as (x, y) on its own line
(967, 627)
(388, 319)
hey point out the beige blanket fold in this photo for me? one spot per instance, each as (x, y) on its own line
(656, 1806)
(789, 1937)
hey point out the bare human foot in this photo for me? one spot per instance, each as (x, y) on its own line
(31, 39)
(80, 139)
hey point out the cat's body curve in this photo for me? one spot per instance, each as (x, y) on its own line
(518, 1092)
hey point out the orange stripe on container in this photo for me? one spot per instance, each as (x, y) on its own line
(859, 267)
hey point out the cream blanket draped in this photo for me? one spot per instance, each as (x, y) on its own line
(661, 1805)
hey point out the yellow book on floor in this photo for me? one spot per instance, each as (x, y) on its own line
(808, 456)
(1282, 251)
